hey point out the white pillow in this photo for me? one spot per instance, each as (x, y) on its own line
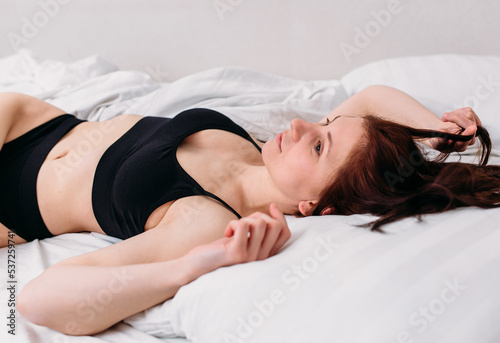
(435, 281)
(440, 82)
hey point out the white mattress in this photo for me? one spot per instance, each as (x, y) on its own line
(428, 281)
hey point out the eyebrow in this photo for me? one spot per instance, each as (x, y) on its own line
(330, 143)
(329, 138)
(338, 116)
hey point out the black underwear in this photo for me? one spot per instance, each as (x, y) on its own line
(138, 173)
(20, 162)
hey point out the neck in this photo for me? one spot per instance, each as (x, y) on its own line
(257, 191)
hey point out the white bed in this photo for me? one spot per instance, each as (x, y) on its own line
(430, 281)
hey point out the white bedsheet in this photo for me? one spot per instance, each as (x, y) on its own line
(355, 286)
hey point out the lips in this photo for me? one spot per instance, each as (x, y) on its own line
(278, 140)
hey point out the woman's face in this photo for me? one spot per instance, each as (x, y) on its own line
(302, 160)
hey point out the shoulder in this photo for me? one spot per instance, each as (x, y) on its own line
(199, 214)
(190, 222)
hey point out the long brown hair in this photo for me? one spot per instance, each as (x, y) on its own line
(388, 175)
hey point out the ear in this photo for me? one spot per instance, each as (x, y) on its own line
(307, 207)
(328, 210)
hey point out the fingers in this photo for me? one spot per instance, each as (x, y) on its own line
(283, 237)
(463, 117)
(467, 119)
(284, 234)
(258, 231)
(241, 230)
(472, 115)
(278, 235)
(229, 231)
(471, 130)
(258, 236)
(277, 214)
(272, 237)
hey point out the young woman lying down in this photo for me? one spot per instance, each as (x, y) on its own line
(196, 192)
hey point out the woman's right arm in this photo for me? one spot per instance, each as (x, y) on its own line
(89, 293)
(79, 299)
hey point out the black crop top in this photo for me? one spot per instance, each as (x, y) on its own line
(140, 172)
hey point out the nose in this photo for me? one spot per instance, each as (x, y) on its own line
(298, 127)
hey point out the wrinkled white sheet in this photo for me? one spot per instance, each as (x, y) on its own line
(92, 89)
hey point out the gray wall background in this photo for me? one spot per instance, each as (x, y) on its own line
(305, 39)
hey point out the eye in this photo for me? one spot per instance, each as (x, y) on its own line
(318, 147)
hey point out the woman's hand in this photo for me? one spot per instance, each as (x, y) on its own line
(463, 121)
(252, 238)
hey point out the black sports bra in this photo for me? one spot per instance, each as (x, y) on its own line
(140, 172)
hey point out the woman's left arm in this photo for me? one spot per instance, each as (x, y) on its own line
(395, 105)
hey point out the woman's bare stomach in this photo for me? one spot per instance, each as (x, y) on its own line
(64, 184)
